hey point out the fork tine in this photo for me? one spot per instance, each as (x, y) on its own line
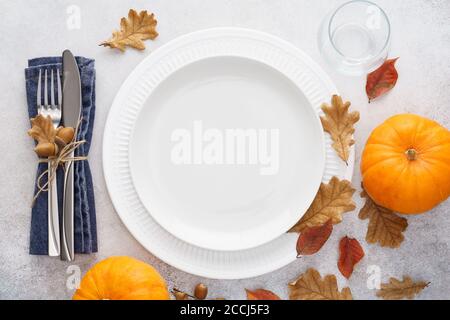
(38, 99)
(58, 81)
(52, 90)
(45, 89)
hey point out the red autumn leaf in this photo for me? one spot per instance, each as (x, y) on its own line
(382, 80)
(351, 253)
(312, 239)
(261, 294)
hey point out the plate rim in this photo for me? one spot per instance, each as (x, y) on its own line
(196, 270)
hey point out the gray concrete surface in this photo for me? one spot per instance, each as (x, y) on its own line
(421, 37)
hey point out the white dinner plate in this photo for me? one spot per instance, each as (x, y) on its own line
(191, 211)
(226, 153)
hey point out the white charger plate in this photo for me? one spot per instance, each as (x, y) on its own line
(275, 86)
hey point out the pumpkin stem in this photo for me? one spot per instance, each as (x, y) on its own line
(411, 154)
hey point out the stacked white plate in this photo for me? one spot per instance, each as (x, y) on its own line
(214, 149)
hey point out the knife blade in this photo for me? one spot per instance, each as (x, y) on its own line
(71, 110)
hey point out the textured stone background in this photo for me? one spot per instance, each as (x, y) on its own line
(421, 37)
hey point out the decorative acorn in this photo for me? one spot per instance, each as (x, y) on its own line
(65, 134)
(50, 141)
(46, 149)
(201, 291)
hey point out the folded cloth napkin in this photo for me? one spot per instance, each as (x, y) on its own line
(85, 226)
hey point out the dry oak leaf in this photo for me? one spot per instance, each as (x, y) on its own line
(261, 294)
(332, 200)
(311, 240)
(385, 227)
(133, 31)
(311, 286)
(382, 80)
(42, 129)
(350, 253)
(398, 290)
(339, 123)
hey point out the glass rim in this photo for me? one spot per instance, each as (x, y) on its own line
(386, 44)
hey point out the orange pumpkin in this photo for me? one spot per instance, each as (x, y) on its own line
(406, 164)
(122, 278)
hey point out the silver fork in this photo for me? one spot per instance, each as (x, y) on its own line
(54, 111)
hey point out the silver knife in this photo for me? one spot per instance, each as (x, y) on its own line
(71, 110)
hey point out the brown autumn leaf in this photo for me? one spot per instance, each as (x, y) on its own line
(42, 129)
(398, 290)
(339, 123)
(261, 294)
(311, 286)
(350, 253)
(311, 240)
(385, 227)
(332, 200)
(382, 80)
(133, 30)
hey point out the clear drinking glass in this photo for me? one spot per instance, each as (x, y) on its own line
(354, 38)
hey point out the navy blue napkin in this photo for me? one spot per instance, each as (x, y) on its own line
(85, 225)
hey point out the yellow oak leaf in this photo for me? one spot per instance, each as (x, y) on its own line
(311, 286)
(332, 200)
(385, 227)
(339, 123)
(133, 30)
(42, 129)
(398, 290)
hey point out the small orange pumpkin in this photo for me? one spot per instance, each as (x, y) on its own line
(122, 278)
(406, 164)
